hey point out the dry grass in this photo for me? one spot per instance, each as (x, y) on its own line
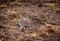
(23, 22)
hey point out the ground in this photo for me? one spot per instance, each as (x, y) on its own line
(28, 22)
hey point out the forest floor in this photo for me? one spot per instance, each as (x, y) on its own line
(27, 22)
